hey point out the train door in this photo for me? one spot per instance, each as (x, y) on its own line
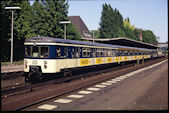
(77, 56)
(65, 54)
(94, 51)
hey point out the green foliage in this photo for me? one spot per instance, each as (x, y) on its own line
(41, 19)
(72, 33)
(95, 33)
(5, 29)
(111, 23)
(105, 31)
(148, 36)
(127, 24)
(23, 21)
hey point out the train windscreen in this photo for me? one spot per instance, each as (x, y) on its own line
(37, 51)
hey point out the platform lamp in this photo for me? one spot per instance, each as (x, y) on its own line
(12, 9)
(65, 22)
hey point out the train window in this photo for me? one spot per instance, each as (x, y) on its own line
(73, 53)
(143, 52)
(44, 52)
(104, 52)
(109, 52)
(131, 53)
(27, 51)
(65, 52)
(35, 51)
(140, 52)
(86, 52)
(136, 52)
(100, 52)
(116, 52)
(94, 52)
(128, 52)
(125, 53)
(58, 52)
(113, 52)
(77, 51)
(120, 52)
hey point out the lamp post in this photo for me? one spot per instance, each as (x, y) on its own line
(12, 8)
(65, 22)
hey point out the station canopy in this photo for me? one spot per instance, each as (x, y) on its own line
(123, 42)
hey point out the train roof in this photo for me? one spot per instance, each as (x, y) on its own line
(67, 41)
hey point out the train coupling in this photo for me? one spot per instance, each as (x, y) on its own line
(35, 73)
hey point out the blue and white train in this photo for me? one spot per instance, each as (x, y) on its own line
(45, 55)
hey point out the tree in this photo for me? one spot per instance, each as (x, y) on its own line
(105, 24)
(6, 30)
(149, 37)
(5, 23)
(72, 32)
(43, 18)
(23, 21)
(40, 16)
(127, 24)
(111, 23)
(95, 33)
(47, 17)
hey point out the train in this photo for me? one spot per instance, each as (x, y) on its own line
(48, 55)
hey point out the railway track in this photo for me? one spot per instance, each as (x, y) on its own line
(28, 87)
(72, 83)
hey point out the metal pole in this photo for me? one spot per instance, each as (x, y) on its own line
(12, 38)
(65, 31)
(93, 37)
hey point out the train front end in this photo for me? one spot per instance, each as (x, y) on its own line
(37, 60)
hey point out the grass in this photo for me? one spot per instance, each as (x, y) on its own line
(14, 63)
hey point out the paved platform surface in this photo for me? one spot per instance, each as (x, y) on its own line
(11, 68)
(144, 89)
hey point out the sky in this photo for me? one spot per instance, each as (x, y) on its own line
(145, 14)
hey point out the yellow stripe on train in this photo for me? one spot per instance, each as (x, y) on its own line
(117, 59)
(84, 61)
(99, 60)
(109, 60)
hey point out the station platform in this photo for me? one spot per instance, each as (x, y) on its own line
(12, 68)
(143, 89)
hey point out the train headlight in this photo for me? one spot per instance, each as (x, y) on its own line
(45, 62)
